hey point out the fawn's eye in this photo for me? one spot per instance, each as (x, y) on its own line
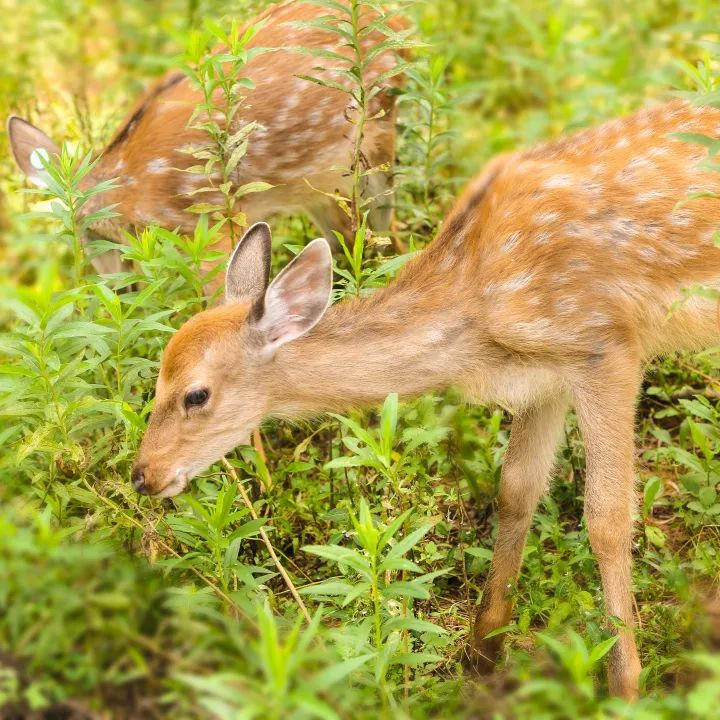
(196, 398)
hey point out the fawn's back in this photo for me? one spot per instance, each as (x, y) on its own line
(591, 240)
(303, 135)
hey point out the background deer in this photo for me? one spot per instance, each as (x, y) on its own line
(550, 284)
(305, 136)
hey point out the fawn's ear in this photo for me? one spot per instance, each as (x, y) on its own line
(28, 145)
(248, 271)
(298, 297)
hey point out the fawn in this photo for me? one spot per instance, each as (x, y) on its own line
(305, 134)
(550, 284)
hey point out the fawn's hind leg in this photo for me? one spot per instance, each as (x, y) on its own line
(529, 460)
(605, 405)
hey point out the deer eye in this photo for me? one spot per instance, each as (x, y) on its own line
(196, 398)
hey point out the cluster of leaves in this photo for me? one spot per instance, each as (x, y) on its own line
(354, 24)
(214, 62)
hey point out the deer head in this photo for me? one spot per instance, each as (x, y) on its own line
(29, 146)
(148, 189)
(216, 380)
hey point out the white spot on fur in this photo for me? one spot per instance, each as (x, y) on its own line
(511, 241)
(648, 196)
(566, 305)
(517, 282)
(623, 142)
(579, 264)
(597, 318)
(558, 181)
(434, 336)
(680, 219)
(545, 218)
(648, 253)
(622, 230)
(158, 166)
(709, 236)
(572, 229)
(191, 183)
(542, 238)
(594, 188)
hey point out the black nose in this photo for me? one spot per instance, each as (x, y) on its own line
(138, 479)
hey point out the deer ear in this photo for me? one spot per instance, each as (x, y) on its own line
(29, 145)
(298, 297)
(248, 271)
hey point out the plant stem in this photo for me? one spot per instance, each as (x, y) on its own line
(288, 581)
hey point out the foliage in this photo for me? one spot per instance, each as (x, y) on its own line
(217, 72)
(113, 605)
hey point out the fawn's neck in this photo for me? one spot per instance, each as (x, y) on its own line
(397, 340)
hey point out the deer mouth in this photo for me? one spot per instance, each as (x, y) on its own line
(176, 485)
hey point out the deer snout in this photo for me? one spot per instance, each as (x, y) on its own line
(137, 477)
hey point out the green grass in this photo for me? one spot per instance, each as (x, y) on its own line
(112, 605)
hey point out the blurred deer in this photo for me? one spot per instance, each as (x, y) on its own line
(550, 284)
(305, 136)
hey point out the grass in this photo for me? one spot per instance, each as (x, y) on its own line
(112, 605)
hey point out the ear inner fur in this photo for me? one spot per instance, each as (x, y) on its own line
(25, 139)
(248, 271)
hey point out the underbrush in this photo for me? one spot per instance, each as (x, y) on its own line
(343, 586)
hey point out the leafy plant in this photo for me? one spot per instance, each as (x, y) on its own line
(217, 73)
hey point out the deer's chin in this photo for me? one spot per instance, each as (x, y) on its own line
(177, 485)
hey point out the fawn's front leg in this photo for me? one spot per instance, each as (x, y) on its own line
(529, 460)
(605, 405)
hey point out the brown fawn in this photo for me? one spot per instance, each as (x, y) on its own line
(553, 282)
(304, 139)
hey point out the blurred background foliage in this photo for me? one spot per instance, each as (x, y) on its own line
(114, 606)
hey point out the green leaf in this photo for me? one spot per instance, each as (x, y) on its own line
(655, 536)
(653, 488)
(329, 588)
(414, 624)
(403, 589)
(415, 659)
(602, 649)
(253, 187)
(408, 542)
(509, 628)
(335, 673)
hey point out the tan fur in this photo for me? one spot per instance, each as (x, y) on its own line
(187, 347)
(550, 284)
(304, 136)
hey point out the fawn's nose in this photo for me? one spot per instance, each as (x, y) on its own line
(137, 478)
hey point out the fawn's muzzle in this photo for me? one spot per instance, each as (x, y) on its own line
(137, 478)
